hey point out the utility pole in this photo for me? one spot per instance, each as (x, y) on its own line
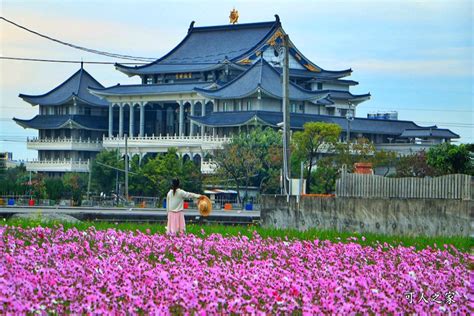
(286, 117)
(349, 118)
(126, 167)
(89, 181)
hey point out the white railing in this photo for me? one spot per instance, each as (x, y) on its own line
(168, 137)
(160, 143)
(404, 148)
(65, 144)
(64, 165)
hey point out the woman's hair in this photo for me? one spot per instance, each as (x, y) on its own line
(174, 185)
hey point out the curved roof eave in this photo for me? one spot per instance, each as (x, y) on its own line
(259, 44)
(132, 71)
(129, 69)
(454, 135)
(27, 99)
(122, 67)
(80, 126)
(22, 122)
(65, 100)
(54, 89)
(317, 94)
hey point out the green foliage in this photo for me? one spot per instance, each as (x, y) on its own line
(55, 189)
(103, 178)
(154, 177)
(14, 181)
(252, 159)
(359, 150)
(415, 165)
(75, 186)
(463, 243)
(307, 143)
(449, 158)
(38, 188)
(386, 159)
(323, 180)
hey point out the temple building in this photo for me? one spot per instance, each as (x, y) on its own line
(218, 81)
(71, 125)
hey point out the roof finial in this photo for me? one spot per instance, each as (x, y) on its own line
(277, 18)
(82, 64)
(234, 16)
(191, 26)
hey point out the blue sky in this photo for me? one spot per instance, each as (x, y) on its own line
(415, 57)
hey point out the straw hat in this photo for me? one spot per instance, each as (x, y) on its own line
(204, 205)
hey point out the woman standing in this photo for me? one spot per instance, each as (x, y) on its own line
(174, 206)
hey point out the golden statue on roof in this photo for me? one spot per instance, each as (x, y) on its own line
(234, 16)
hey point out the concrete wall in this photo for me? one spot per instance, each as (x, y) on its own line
(414, 217)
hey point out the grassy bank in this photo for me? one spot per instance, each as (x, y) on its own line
(464, 244)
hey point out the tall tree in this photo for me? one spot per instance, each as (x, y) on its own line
(155, 174)
(238, 163)
(309, 142)
(103, 176)
(415, 165)
(54, 188)
(449, 158)
(75, 185)
(252, 158)
(14, 181)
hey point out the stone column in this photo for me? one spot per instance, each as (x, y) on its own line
(191, 124)
(142, 119)
(121, 120)
(111, 120)
(181, 118)
(132, 121)
(203, 113)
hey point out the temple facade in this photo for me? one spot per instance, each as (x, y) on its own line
(218, 81)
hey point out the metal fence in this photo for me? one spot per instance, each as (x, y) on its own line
(455, 186)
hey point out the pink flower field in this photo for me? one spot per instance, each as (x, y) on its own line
(44, 270)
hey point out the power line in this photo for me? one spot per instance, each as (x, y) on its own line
(89, 50)
(120, 56)
(66, 61)
(103, 62)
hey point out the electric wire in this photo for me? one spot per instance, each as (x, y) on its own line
(89, 50)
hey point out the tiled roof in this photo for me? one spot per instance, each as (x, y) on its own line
(65, 121)
(264, 77)
(74, 87)
(297, 120)
(428, 133)
(204, 47)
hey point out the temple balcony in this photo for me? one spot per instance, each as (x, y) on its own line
(159, 144)
(65, 144)
(406, 148)
(65, 165)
